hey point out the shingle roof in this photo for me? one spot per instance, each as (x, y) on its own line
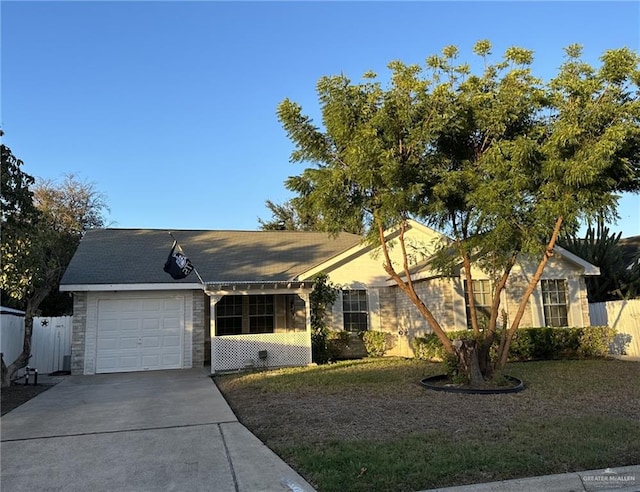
(132, 256)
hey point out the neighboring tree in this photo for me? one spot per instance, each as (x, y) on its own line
(295, 215)
(285, 217)
(73, 206)
(619, 278)
(19, 215)
(34, 260)
(499, 161)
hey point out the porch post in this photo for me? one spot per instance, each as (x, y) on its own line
(307, 309)
(213, 300)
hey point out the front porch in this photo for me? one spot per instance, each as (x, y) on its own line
(255, 325)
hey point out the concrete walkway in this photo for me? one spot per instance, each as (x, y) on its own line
(151, 431)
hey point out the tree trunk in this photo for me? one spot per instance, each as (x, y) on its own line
(507, 336)
(484, 357)
(468, 358)
(8, 372)
(408, 288)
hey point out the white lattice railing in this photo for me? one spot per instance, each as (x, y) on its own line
(234, 352)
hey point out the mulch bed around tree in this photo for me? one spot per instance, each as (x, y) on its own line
(14, 396)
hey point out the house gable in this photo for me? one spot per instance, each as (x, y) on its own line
(362, 264)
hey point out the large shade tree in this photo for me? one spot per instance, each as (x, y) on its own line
(42, 225)
(499, 160)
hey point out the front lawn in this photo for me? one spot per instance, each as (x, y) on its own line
(369, 425)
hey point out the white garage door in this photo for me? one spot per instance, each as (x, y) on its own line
(139, 334)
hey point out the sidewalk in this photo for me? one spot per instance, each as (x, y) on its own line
(623, 479)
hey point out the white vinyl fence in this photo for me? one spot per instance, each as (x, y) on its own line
(11, 333)
(50, 342)
(624, 316)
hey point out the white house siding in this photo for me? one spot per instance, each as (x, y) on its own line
(85, 335)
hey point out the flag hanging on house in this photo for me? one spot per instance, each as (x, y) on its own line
(177, 264)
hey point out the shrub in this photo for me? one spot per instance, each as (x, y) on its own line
(337, 341)
(533, 343)
(378, 342)
(429, 346)
(596, 340)
(323, 295)
(561, 343)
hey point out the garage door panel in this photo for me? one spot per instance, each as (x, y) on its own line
(171, 360)
(151, 361)
(151, 342)
(128, 343)
(172, 305)
(131, 362)
(110, 324)
(140, 334)
(171, 341)
(111, 306)
(151, 324)
(107, 362)
(108, 343)
(152, 305)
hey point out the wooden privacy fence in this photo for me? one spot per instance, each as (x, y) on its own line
(624, 316)
(50, 342)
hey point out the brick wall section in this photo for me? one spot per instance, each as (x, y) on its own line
(388, 309)
(437, 295)
(199, 327)
(79, 331)
(402, 318)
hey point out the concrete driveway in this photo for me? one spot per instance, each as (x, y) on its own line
(151, 431)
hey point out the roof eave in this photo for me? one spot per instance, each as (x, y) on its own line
(128, 287)
(589, 269)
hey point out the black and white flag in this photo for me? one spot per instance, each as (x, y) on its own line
(177, 264)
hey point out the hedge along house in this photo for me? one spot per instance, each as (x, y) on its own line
(252, 308)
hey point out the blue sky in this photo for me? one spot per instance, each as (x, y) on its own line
(170, 107)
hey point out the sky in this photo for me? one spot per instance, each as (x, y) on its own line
(169, 108)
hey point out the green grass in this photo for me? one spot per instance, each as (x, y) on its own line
(369, 425)
(435, 459)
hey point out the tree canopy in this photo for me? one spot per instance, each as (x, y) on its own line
(499, 160)
(42, 225)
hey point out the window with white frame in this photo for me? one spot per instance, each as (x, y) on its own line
(482, 296)
(236, 315)
(554, 302)
(229, 316)
(355, 310)
(260, 314)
